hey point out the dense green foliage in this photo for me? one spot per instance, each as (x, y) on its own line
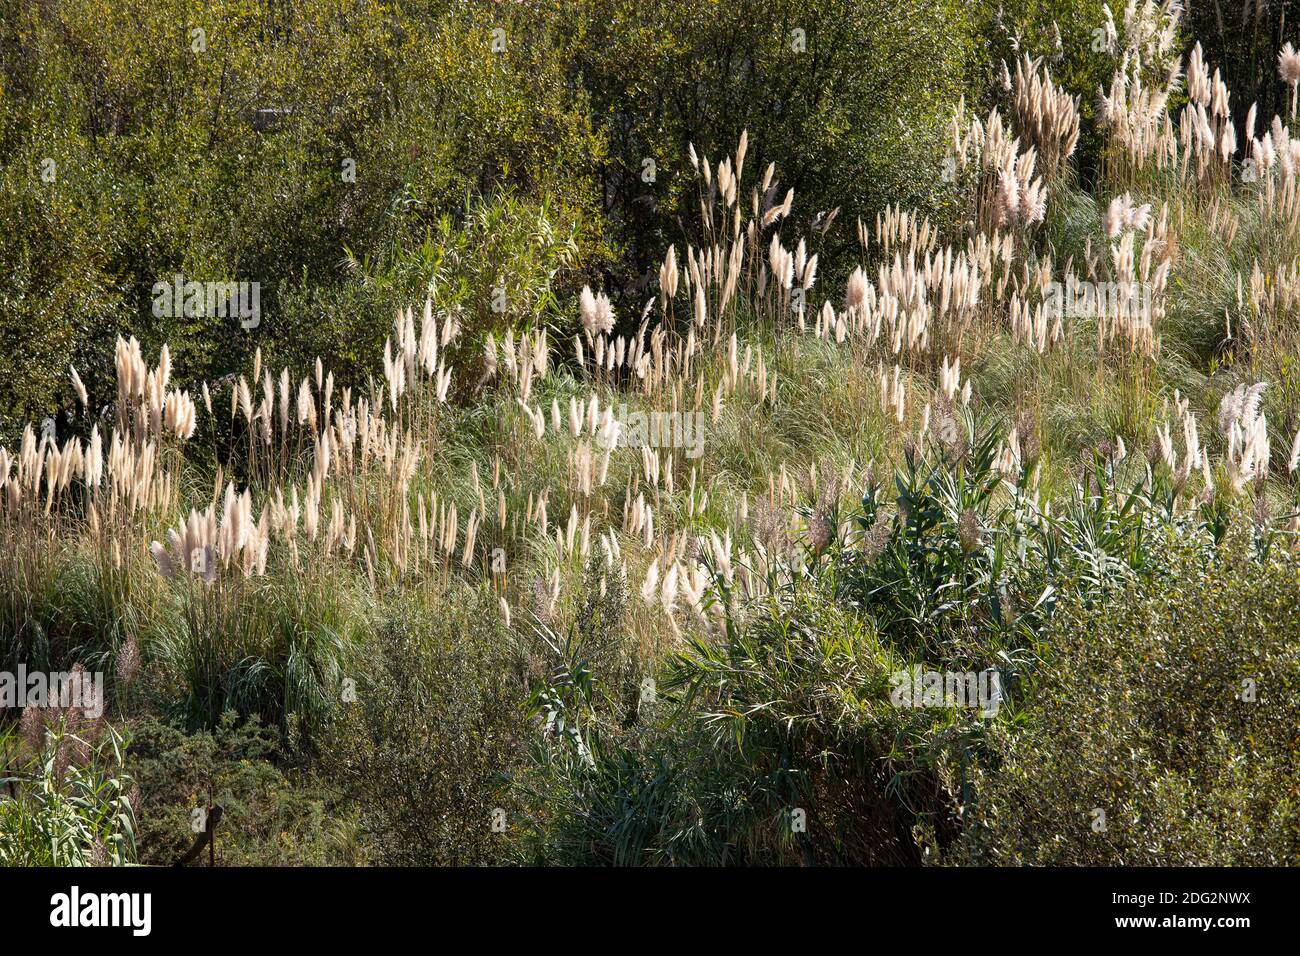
(67, 799)
(399, 699)
(1171, 709)
(270, 816)
(228, 154)
(818, 86)
(428, 748)
(349, 157)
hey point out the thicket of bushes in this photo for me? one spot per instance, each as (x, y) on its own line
(429, 751)
(272, 814)
(1170, 709)
(228, 155)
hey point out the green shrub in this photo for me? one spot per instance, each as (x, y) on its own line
(273, 814)
(1142, 711)
(426, 752)
(829, 105)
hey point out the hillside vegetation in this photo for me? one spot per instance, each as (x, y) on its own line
(662, 421)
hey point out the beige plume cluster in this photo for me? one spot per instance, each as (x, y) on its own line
(1244, 426)
(1008, 193)
(1046, 115)
(203, 546)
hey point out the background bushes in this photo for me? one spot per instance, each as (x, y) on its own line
(850, 99)
(221, 157)
(272, 813)
(227, 162)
